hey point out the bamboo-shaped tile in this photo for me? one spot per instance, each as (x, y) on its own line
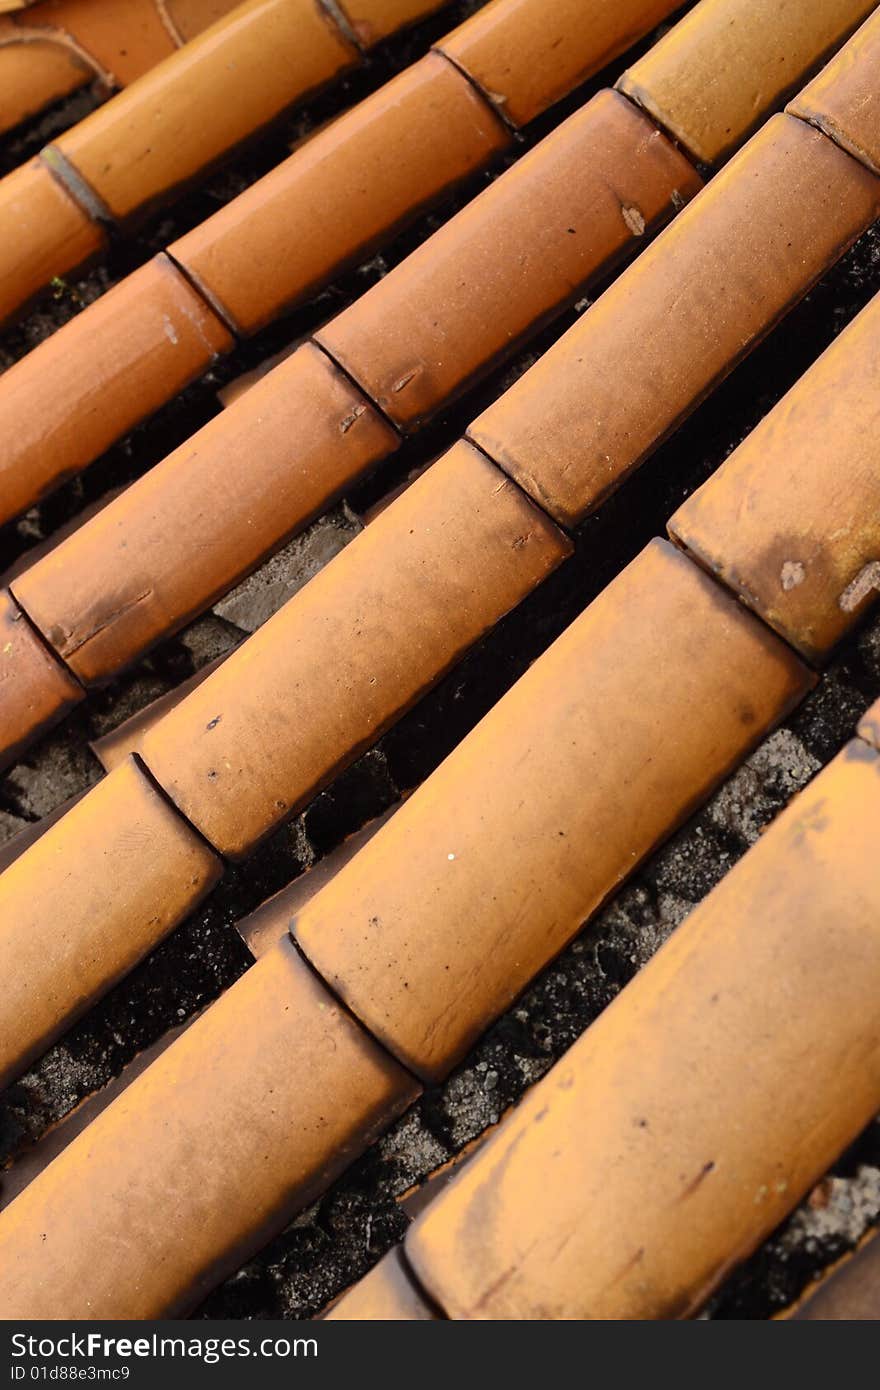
(47, 690)
(672, 326)
(242, 1121)
(702, 1105)
(43, 233)
(844, 100)
(791, 522)
(99, 613)
(172, 123)
(709, 84)
(138, 869)
(690, 308)
(374, 629)
(240, 463)
(645, 703)
(727, 678)
(58, 46)
(354, 649)
(474, 547)
(335, 199)
(493, 274)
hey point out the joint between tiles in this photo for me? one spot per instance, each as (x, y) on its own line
(337, 16)
(44, 641)
(208, 298)
(361, 390)
(65, 40)
(168, 24)
(497, 108)
(566, 531)
(349, 1011)
(75, 186)
(436, 1308)
(166, 796)
(816, 123)
(704, 169)
(732, 593)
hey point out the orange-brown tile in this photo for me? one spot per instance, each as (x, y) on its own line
(123, 38)
(57, 46)
(374, 20)
(844, 100)
(791, 522)
(190, 17)
(352, 650)
(341, 192)
(207, 97)
(113, 748)
(43, 234)
(526, 54)
(114, 364)
(241, 1122)
(165, 548)
(113, 41)
(594, 757)
(86, 902)
(729, 63)
(34, 73)
(703, 1104)
(677, 320)
(43, 689)
(528, 245)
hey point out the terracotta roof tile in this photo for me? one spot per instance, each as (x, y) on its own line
(791, 522)
(427, 929)
(355, 649)
(59, 46)
(86, 902)
(178, 118)
(844, 100)
(680, 318)
(253, 1110)
(594, 756)
(711, 80)
(656, 1154)
(524, 56)
(155, 322)
(43, 234)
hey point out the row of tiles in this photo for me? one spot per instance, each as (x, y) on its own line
(59, 46)
(354, 649)
(427, 329)
(173, 122)
(652, 584)
(661, 686)
(695, 1113)
(348, 188)
(627, 647)
(778, 665)
(661, 573)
